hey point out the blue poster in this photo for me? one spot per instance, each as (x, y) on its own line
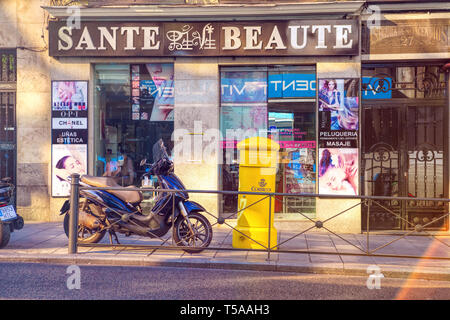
(292, 85)
(376, 88)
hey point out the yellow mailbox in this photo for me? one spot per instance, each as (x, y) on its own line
(257, 171)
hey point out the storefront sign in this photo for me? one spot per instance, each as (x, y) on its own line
(279, 38)
(407, 36)
(69, 133)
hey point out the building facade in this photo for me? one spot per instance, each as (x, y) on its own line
(355, 93)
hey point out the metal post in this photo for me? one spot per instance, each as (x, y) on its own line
(73, 221)
(173, 218)
(369, 202)
(270, 220)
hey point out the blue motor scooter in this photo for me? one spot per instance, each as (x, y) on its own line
(119, 211)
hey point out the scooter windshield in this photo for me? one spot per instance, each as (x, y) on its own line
(159, 151)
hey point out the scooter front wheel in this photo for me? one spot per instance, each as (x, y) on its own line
(198, 240)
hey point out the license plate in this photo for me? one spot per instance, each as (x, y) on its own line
(7, 213)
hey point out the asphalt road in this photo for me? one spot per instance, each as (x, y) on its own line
(42, 281)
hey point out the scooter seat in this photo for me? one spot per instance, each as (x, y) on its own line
(131, 196)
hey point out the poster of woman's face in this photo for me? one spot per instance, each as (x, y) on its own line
(338, 171)
(66, 160)
(339, 97)
(331, 93)
(162, 89)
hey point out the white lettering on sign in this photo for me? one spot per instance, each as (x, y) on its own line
(294, 36)
(232, 40)
(65, 38)
(85, 40)
(69, 123)
(150, 42)
(342, 33)
(129, 36)
(234, 89)
(187, 37)
(251, 38)
(321, 35)
(275, 39)
(110, 37)
(297, 85)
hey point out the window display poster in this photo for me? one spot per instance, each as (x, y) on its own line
(338, 171)
(135, 92)
(292, 85)
(69, 112)
(69, 95)
(157, 93)
(281, 129)
(66, 160)
(300, 171)
(244, 87)
(242, 122)
(338, 113)
(69, 133)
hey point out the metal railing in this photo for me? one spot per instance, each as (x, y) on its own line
(369, 201)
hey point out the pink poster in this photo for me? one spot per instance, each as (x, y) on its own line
(338, 171)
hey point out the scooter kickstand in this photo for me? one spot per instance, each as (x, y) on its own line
(112, 233)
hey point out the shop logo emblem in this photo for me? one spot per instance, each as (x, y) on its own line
(262, 183)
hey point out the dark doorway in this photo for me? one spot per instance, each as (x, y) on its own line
(8, 114)
(404, 148)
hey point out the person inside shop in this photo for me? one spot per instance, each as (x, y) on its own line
(122, 169)
(126, 174)
(112, 166)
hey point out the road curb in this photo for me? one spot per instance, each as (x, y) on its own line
(388, 271)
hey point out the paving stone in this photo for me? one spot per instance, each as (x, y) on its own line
(323, 258)
(256, 256)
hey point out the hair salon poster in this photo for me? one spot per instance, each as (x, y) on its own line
(152, 92)
(69, 133)
(338, 103)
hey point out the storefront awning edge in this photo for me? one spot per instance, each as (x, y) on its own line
(238, 12)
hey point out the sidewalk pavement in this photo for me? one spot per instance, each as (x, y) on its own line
(47, 243)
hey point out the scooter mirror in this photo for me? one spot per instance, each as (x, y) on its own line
(143, 162)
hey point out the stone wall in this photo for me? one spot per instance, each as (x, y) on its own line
(196, 112)
(23, 26)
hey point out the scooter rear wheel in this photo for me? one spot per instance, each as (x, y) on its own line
(202, 233)
(85, 235)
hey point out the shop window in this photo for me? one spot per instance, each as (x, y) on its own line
(134, 108)
(279, 103)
